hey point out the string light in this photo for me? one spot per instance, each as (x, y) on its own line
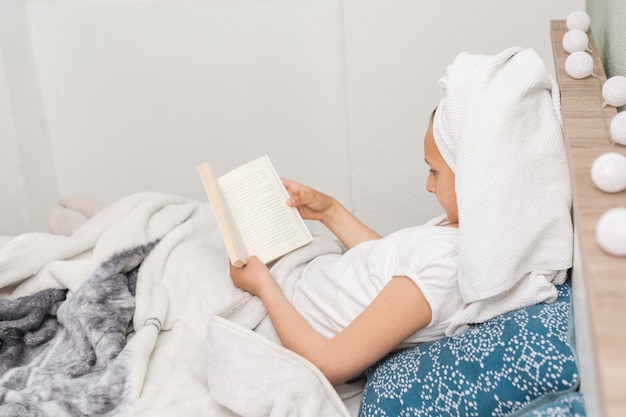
(608, 172)
(614, 91)
(618, 128)
(611, 231)
(578, 20)
(579, 65)
(575, 40)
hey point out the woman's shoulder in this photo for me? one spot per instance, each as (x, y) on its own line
(434, 229)
(424, 244)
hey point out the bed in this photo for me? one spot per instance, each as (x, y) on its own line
(4, 240)
(132, 315)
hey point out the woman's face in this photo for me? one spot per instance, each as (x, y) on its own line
(441, 178)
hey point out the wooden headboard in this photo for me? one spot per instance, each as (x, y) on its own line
(598, 279)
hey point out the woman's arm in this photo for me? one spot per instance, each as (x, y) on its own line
(314, 205)
(396, 313)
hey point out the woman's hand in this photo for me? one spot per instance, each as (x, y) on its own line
(253, 278)
(314, 205)
(311, 204)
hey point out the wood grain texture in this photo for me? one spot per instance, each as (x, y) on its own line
(586, 127)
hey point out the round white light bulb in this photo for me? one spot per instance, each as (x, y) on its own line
(618, 128)
(578, 20)
(575, 40)
(614, 91)
(579, 65)
(611, 231)
(608, 172)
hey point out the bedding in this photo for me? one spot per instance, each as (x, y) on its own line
(568, 405)
(135, 314)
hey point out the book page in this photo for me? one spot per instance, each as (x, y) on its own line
(256, 199)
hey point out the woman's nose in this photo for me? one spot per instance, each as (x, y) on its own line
(430, 185)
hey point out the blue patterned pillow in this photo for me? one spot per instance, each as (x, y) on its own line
(492, 369)
(567, 405)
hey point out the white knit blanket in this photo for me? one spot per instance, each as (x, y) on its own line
(499, 129)
(180, 357)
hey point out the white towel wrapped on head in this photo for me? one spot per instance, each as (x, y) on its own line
(499, 129)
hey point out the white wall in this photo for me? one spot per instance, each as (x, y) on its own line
(138, 92)
(27, 176)
(396, 53)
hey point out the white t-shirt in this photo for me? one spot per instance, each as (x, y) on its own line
(335, 289)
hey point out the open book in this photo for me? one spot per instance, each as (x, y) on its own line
(251, 210)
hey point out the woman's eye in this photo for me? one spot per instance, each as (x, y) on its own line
(432, 171)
